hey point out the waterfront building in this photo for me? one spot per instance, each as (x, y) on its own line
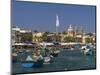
(26, 36)
(21, 35)
(79, 34)
(63, 36)
(37, 37)
(79, 38)
(89, 38)
(15, 36)
(51, 37)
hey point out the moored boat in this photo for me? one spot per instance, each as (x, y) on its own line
(38, 59)
(87, 50)
(28, 62)
(55, 53)
(14, 57)
(31, 63)
(47, 60)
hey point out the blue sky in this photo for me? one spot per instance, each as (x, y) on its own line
(42, 16)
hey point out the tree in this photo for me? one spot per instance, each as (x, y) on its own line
(44, 36)
(64, 32)
(89, 40)
(69, 39)
(17, 36)
(26, 37)
(58, 37)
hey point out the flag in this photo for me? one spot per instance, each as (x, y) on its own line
(57, 21)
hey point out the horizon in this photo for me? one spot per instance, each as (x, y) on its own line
(42, 16)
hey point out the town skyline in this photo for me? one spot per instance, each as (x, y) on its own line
(42, 17)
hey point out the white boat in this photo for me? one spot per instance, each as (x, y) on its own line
(83, 47)
(28, 62)
(57, 51)
(47, 60)
(72, 49)
(86, 50)
(29, 58)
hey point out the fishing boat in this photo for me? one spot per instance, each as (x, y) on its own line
(38, 59)
(28, 63)
(87, 50)
(47, 56)
(47, 60)
(55, 50)
(34, 59)
(71, 49)
(83, 47)
(31, 63)
(55, 53)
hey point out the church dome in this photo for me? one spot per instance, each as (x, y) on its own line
(70, 28)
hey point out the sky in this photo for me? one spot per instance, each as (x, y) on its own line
(42, 16)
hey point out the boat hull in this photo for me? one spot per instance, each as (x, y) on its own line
(54, 54)
(30, 64)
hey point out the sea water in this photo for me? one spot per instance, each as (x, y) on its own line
(67, 60)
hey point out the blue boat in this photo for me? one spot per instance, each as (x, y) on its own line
(30, 63)
(27, 64)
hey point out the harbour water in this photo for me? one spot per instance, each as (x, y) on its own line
(67, 60)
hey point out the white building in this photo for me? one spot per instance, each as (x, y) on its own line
(37, 36)
(13, 35)
(71, 31)
(16, 34)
